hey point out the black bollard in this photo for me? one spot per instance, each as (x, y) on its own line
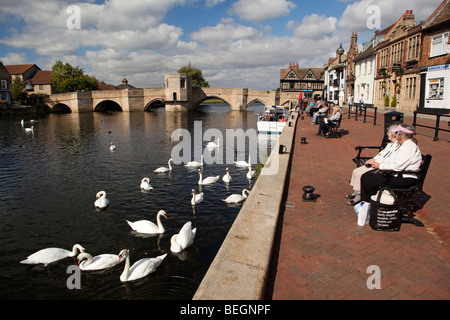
(309, 196)
(303, 140)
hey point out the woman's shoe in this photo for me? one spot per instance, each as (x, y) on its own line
(350, 196)
(353, 202)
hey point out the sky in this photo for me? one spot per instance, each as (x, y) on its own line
(236, 43)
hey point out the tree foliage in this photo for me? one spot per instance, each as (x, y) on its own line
(196, 74)
(69, 79)
(18, 92)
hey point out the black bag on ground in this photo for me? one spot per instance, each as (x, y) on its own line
(385, 217)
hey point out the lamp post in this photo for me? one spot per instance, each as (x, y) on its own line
(339, 52)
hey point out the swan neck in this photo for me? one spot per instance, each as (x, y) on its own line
(126, 270)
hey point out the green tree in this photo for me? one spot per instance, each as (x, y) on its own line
(18, 92)
(69, 79)
(196, 74)
(386, 101)
(394, 101)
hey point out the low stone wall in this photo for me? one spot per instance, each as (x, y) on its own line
(241, 267)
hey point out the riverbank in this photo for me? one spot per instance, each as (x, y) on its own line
(13, 110)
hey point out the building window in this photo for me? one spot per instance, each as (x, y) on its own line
(41, 87)
(439, 45)
(413, 49)
(436, 89)
(4, 84)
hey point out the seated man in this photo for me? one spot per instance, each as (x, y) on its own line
(406, 157)
(324, 126)
(321, 112)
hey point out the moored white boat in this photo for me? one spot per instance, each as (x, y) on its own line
(273, 120)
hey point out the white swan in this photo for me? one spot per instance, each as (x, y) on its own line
(195, 164)
(22, 123)
(148, 227)
(101, 201)
(164, 169)
(29, 129)
(183, 239)
(145, 184)
(112, 147)
(50, 255)
(226, 177)
(87, 262)
(207, 180)
(213, 145)
(196, 197)
(242, 163)
(250, 173)
(140, 268)
(236, 198)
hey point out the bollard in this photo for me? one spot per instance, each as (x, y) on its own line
(309, 196)
(303, 140)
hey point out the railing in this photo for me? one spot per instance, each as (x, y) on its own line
(363, 110)
(438, 121)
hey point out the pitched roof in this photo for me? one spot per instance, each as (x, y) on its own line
(19, 68)
(104, 86)
(440, 15)
(302, 72)
(41, 77)
(4, 74)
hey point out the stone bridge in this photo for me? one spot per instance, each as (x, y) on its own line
(177, 95)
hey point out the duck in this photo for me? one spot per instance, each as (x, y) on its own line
(236, 198)
(87, 262)
(183, 239)
(226, 177)
(251, 173)
(101, 201)
(195, 164)
(207, 180)
(112, 147)
(145, 184)
(148, 227)
(164, 169)
(140, 268)
(213, 145)
(196, 197)
(242, 163)
(49, 255)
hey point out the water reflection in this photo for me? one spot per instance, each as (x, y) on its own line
(47, 193)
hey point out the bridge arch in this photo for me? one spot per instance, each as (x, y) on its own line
(107, 105)
(61, 108)
(203, 99)
(255, 101)
(155, 103)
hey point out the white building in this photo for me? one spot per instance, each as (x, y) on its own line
(335, 75)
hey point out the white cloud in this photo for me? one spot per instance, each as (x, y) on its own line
(14, 58)
(313, 26)
(224, 33)
(258, 11)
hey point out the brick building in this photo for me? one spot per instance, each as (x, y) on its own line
(309, 81)
(5, 84)
(434, 62)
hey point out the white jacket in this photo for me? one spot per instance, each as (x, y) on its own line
(406, 157)
(386, 152)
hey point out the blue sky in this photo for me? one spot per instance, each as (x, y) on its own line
(236, 43)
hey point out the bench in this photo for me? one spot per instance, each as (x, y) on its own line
(412, 198)
(360, 160)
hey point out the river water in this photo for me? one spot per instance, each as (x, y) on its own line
(49, 179)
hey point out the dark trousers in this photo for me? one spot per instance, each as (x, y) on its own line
(371, 182)
(325, 127)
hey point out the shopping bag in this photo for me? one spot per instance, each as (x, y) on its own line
(362, 209)
(385, 217)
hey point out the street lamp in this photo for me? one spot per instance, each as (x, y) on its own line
(340, 51)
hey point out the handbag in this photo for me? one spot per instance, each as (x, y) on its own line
(362, 210)
(385, 217)
(419, 198)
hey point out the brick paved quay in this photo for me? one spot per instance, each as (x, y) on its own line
(321, 252)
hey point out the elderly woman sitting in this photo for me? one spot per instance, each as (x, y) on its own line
(384, 154)
(324, 126)
(406, 157)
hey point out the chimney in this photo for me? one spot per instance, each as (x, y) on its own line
(408, 19)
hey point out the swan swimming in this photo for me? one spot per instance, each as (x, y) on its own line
(226, 177)
(183, 239)
(50, 255)
(148, 227)
(29, 129)
(207, 180)
(213, 145)
(101, 201)
(112, 147)
(164, 169)
(140, 268)
(87, 262)
(196, 197)
(145, 184)
(236, 198)
(195, 164)
(242, 163)
(251, 173)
